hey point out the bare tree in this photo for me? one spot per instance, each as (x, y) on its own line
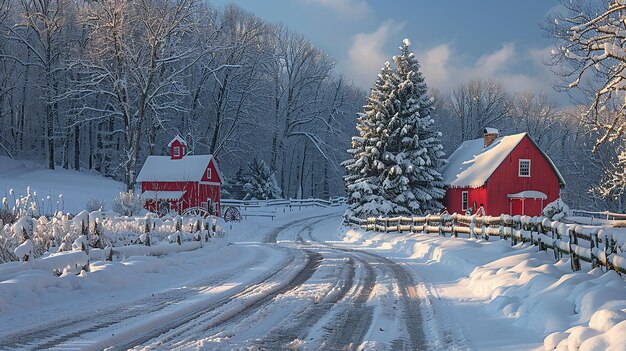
(136, 62)
(478, 104)
(590, 58)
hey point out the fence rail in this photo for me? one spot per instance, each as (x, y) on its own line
(599, 214)
(594, 245)
(290, 203)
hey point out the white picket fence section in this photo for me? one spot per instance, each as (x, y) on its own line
(596, 245)
(600, 215)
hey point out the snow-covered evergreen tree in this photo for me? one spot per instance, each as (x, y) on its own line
(413, 154)
(234, 188)
(260, 182)
(396, 156)
(365, 167)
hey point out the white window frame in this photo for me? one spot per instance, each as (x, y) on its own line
(176, 151)
(209, 173)
(519, 168)
(464, 200)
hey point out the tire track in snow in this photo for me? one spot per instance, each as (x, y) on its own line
(272, 236)
(300, 324)
(231, 314)
(409, 296)
(269, 238)
(57, 332)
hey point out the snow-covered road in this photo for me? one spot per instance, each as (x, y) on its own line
(288, 286)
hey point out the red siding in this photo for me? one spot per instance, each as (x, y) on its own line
(505, 180)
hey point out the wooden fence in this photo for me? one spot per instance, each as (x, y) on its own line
(594, 245)
(288, 203)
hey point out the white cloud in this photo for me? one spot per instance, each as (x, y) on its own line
(353, 8)
(444, 68)
(366, 55)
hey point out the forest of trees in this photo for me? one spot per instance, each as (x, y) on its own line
(100, 85)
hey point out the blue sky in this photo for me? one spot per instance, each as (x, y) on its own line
(454, 40)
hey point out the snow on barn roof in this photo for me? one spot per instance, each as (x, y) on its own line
(472, 164)
(163, 195)
(179, 138)
(164, 169)
(528, 194)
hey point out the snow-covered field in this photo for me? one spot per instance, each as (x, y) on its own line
(76, 187)
(303, 281)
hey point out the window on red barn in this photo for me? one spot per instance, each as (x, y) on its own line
(464, 200)
(524, 168)
(177, 151)
(208, 173)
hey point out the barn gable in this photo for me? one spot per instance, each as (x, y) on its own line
(214, 172)
(471, 165)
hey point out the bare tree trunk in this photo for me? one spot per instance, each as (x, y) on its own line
(77, 147)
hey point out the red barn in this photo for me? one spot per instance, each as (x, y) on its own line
(178, 182)
(508, 174)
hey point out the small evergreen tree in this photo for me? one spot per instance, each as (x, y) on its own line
(234, 188)
(260, 182)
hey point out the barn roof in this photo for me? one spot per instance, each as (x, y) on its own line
(164, 169)
(472, 164)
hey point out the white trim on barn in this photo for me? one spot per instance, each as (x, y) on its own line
(528, 194)
(163, 195)
(210, 183)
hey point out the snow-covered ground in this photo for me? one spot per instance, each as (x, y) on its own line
(76, 187)
(303, 281)
(491, 296)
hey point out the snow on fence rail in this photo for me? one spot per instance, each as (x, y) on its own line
(244, 204)
(602, 214)
(596, 245)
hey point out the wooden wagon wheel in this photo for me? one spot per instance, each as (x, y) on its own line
(197, 212)
(232, 214)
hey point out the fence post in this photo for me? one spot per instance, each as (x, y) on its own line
(592, 243)
(399, 224)
(412, 224)
(386, 225)
(484, 229)
(441, 223)
(573, 239)
(454, 232)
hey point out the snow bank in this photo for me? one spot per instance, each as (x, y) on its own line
(27, 285)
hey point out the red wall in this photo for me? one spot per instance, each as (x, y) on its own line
(505, 180)
(195, 194)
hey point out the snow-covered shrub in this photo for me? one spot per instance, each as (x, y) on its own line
(260, 182)
(557, 210)
(25, 250)
(128, 203)
(94, 204)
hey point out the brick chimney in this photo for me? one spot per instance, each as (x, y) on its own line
(490, 135)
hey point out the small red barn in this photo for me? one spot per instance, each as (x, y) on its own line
(178, 182)
(508, 174)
